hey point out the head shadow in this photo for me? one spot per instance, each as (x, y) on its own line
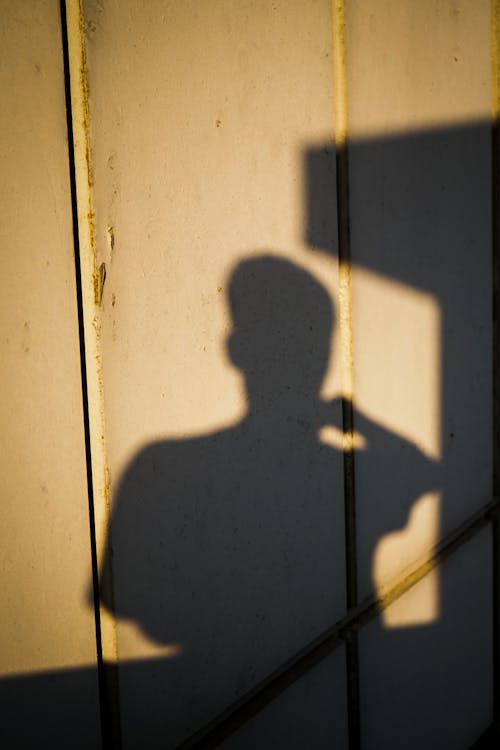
(282, 322)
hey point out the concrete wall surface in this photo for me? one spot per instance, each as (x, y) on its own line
(229, 335)
(48, 661)
(286, 238)
(212, 297)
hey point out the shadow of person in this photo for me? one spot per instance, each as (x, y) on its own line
(232, 544)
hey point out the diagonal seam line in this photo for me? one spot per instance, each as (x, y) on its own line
(266, 691)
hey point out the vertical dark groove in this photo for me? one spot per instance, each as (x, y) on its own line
(344, 254)
(495, 236)
(496, 625)
(495, 218)
(352, 663)
(105, 730)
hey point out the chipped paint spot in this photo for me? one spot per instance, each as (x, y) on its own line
(111, 237)
(99, 280)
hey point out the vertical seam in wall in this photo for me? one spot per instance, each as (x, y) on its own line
(495, 218)
(88, 284)
(345, 318)
(83, 365)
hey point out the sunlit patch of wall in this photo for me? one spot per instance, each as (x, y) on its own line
(45, 538)
(427, 64)
(397, 340)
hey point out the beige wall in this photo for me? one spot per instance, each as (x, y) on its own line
(215, 372)
(201, 114)
(47, 631)
(213, 137)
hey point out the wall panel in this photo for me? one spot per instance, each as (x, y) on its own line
(48, 681)
(219, 349)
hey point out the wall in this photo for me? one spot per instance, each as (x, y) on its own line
(284, 246)
(48, 660)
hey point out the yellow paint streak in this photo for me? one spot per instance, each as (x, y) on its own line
(339, 73)
(341, 129)
(406, 579)
(345, 323)
(495, 60)
(90, 283)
